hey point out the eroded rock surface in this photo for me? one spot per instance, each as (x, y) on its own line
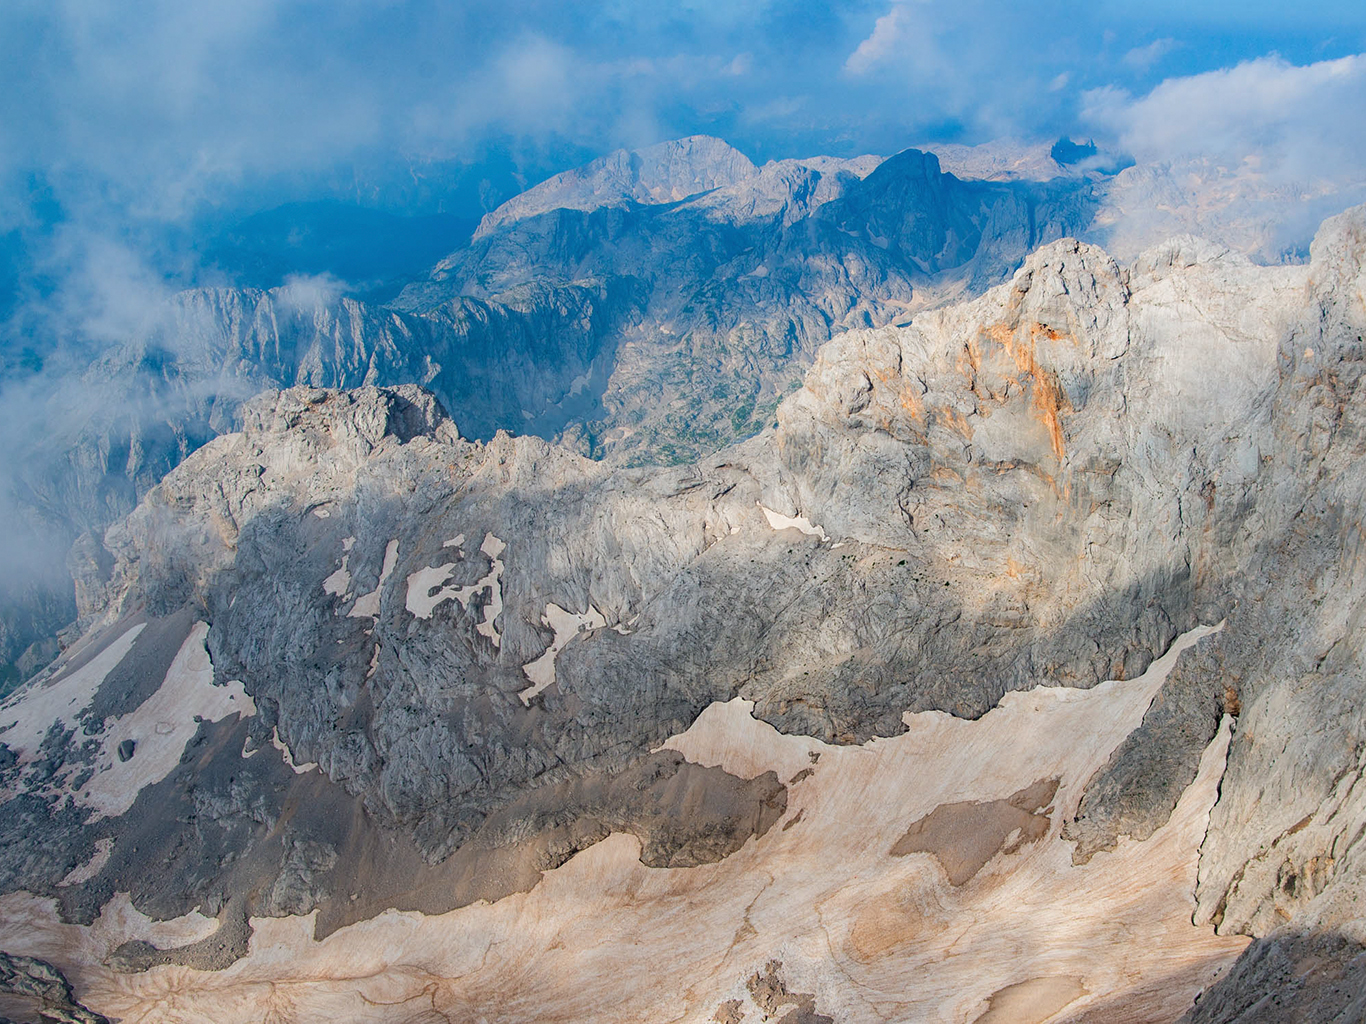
(1307, 979)
(1133, 795)
(1043, 487)
(29, 985)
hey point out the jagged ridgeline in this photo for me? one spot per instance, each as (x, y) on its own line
(648, 308)
(1012, 676)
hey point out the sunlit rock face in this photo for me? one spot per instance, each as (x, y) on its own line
(742, 282)
(650, 307)
(1010, 677)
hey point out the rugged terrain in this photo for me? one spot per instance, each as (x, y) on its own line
(862, 718)
(649, 307)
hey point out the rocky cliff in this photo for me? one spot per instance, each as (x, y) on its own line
(1011, 676)
(743, 282)
(650, 307)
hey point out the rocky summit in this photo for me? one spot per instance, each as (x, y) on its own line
(650, 307)
(647, 308)
(1012, 676)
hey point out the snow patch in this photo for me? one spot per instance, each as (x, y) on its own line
(279, 745)
(85, 872)
(566, 625)
(367, 605)
(944, 952)
(782, 522)
(426, 589)
(339, 583)
(160, 727)
(493, 547)
(26, 717)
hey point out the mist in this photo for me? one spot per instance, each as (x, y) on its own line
(337, 149)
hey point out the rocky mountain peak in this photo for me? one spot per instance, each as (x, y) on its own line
(360, 418)
(1337, 255)
(1028, 615)
(663, 173)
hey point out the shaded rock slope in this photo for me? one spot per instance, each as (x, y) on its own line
(745, 280)
(344, 661)
(649, 307)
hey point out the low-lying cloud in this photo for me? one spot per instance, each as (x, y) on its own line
(133, 132)
(162, 110)
(1267, 116)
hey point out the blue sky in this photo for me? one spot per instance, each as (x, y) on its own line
(161, 106)
(129, 128)
(133, 130)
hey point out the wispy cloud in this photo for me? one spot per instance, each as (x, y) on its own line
(307, 292)
(887, 38)
(163, 109)
(1283, 121)
(1142, 58)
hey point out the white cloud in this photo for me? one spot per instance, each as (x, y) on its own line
(1141, 58)
(537, 74)
(888, 33)
(106, 292)
(308, 292)
(918, 44)
(1284, 121)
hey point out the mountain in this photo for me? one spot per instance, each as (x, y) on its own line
(744, 282)
(649, 307)
(1011, 676)
(97, 441)
(664, 173)
(642, 327)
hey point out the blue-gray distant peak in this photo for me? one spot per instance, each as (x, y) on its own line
(663, 173)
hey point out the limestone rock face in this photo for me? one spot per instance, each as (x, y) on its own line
(43, 987)
(664, 173)
(744, 282)
(649, 307)
(954, 594)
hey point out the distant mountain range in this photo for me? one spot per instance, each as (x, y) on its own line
(648, 307)
(1011, 672)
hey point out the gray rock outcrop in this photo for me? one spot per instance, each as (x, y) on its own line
(45, 988)
(663, 173)
(649, 307)
(1045, 484)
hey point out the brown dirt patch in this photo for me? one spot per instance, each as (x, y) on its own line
(964, 836)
